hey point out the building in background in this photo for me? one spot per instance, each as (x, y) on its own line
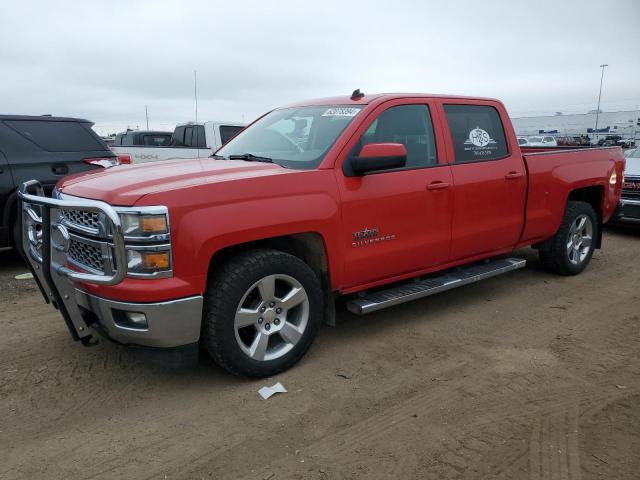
(625, 123)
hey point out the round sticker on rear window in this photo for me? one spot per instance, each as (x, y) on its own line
(480, 142)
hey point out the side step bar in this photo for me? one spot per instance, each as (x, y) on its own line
(423, 288)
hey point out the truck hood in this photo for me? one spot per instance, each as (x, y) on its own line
(126, 184)
(632, 167)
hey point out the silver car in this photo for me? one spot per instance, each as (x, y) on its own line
(629, 207)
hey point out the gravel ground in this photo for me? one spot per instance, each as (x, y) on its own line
(527, 375)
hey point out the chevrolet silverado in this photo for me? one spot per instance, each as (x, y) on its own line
(379, 198)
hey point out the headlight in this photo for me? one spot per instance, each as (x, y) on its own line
(144, 224)
(148, 261)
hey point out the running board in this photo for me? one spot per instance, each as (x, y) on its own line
(423, 288)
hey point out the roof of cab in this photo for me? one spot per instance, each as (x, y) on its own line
(378, 97)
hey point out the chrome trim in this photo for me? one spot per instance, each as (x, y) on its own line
(169, 324)
(157, 248)
(103, 229)
(395, 295)
(85, 204)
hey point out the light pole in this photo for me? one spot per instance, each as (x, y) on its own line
(599, 96)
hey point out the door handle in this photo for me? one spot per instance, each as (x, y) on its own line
(437, 186)
(60, 169)
(513, 175)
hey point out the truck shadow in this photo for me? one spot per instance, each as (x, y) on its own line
(626, 229)
(10, 259)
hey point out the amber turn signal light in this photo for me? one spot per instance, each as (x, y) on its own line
(155, 260)
(154, 224)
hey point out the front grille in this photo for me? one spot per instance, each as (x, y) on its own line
(631, 188)
(86, 256)
(81, 218)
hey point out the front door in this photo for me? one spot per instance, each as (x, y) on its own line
(396, 221)
(489, 180)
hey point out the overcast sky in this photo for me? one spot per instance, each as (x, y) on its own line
(106, 60)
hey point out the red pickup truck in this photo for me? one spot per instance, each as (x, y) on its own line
(380, 198)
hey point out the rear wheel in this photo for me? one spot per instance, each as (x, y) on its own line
(573, 245)
(262, 312)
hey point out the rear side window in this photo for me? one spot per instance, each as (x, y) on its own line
(227, 132)
(156, 140)
(198, 139)
(54, 136)
(476, 132)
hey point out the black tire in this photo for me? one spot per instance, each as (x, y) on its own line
(556, 259)
(16, 234)
(227, 287)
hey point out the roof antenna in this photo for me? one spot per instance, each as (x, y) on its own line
(195, 95)
(357, 94)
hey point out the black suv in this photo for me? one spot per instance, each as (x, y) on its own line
(46, 149)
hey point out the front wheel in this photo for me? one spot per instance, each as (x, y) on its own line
(573, 245)
(262, 311)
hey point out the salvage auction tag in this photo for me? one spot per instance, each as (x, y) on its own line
(341, 112)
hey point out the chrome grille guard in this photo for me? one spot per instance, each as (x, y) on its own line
(47, 256)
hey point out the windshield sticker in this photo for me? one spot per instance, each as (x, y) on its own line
(480, 142)
(341, 112)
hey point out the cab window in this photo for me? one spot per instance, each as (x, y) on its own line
(409, 125)
(476, 132)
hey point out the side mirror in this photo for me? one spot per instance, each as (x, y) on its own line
(379, 156)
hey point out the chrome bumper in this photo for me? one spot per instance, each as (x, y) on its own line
(628, 210)
(169, 324)
(45, 242)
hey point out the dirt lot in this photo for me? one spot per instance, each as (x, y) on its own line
(523, 376)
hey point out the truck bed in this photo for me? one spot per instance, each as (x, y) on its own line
(552, 174)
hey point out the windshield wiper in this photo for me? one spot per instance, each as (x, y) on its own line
(250, 157)
(217, 157)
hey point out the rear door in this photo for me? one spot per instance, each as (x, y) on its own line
(47, 150)
(489, 179)
(397, 221)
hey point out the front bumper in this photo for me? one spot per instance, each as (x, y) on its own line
(627, 210)
(46, 241)
(168, 324)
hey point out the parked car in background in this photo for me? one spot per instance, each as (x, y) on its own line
(629, 206)
(566, 142)
(582, 140)
(187, 141)
(626, 143)
(108, 141)
(149, 138)
(381, 198)
(609, 141)
(46, 148)
(541, 141)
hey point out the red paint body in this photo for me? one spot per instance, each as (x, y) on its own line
(441, 216)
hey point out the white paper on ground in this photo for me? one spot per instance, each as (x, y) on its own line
(266, 392)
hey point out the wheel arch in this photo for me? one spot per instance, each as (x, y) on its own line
(594, 196)
(310, 247)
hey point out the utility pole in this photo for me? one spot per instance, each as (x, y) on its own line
(195, 96)
(146, 113)
(599, 97)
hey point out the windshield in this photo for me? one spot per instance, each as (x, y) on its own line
(535, 139)
(635, 153)
(297, 137)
